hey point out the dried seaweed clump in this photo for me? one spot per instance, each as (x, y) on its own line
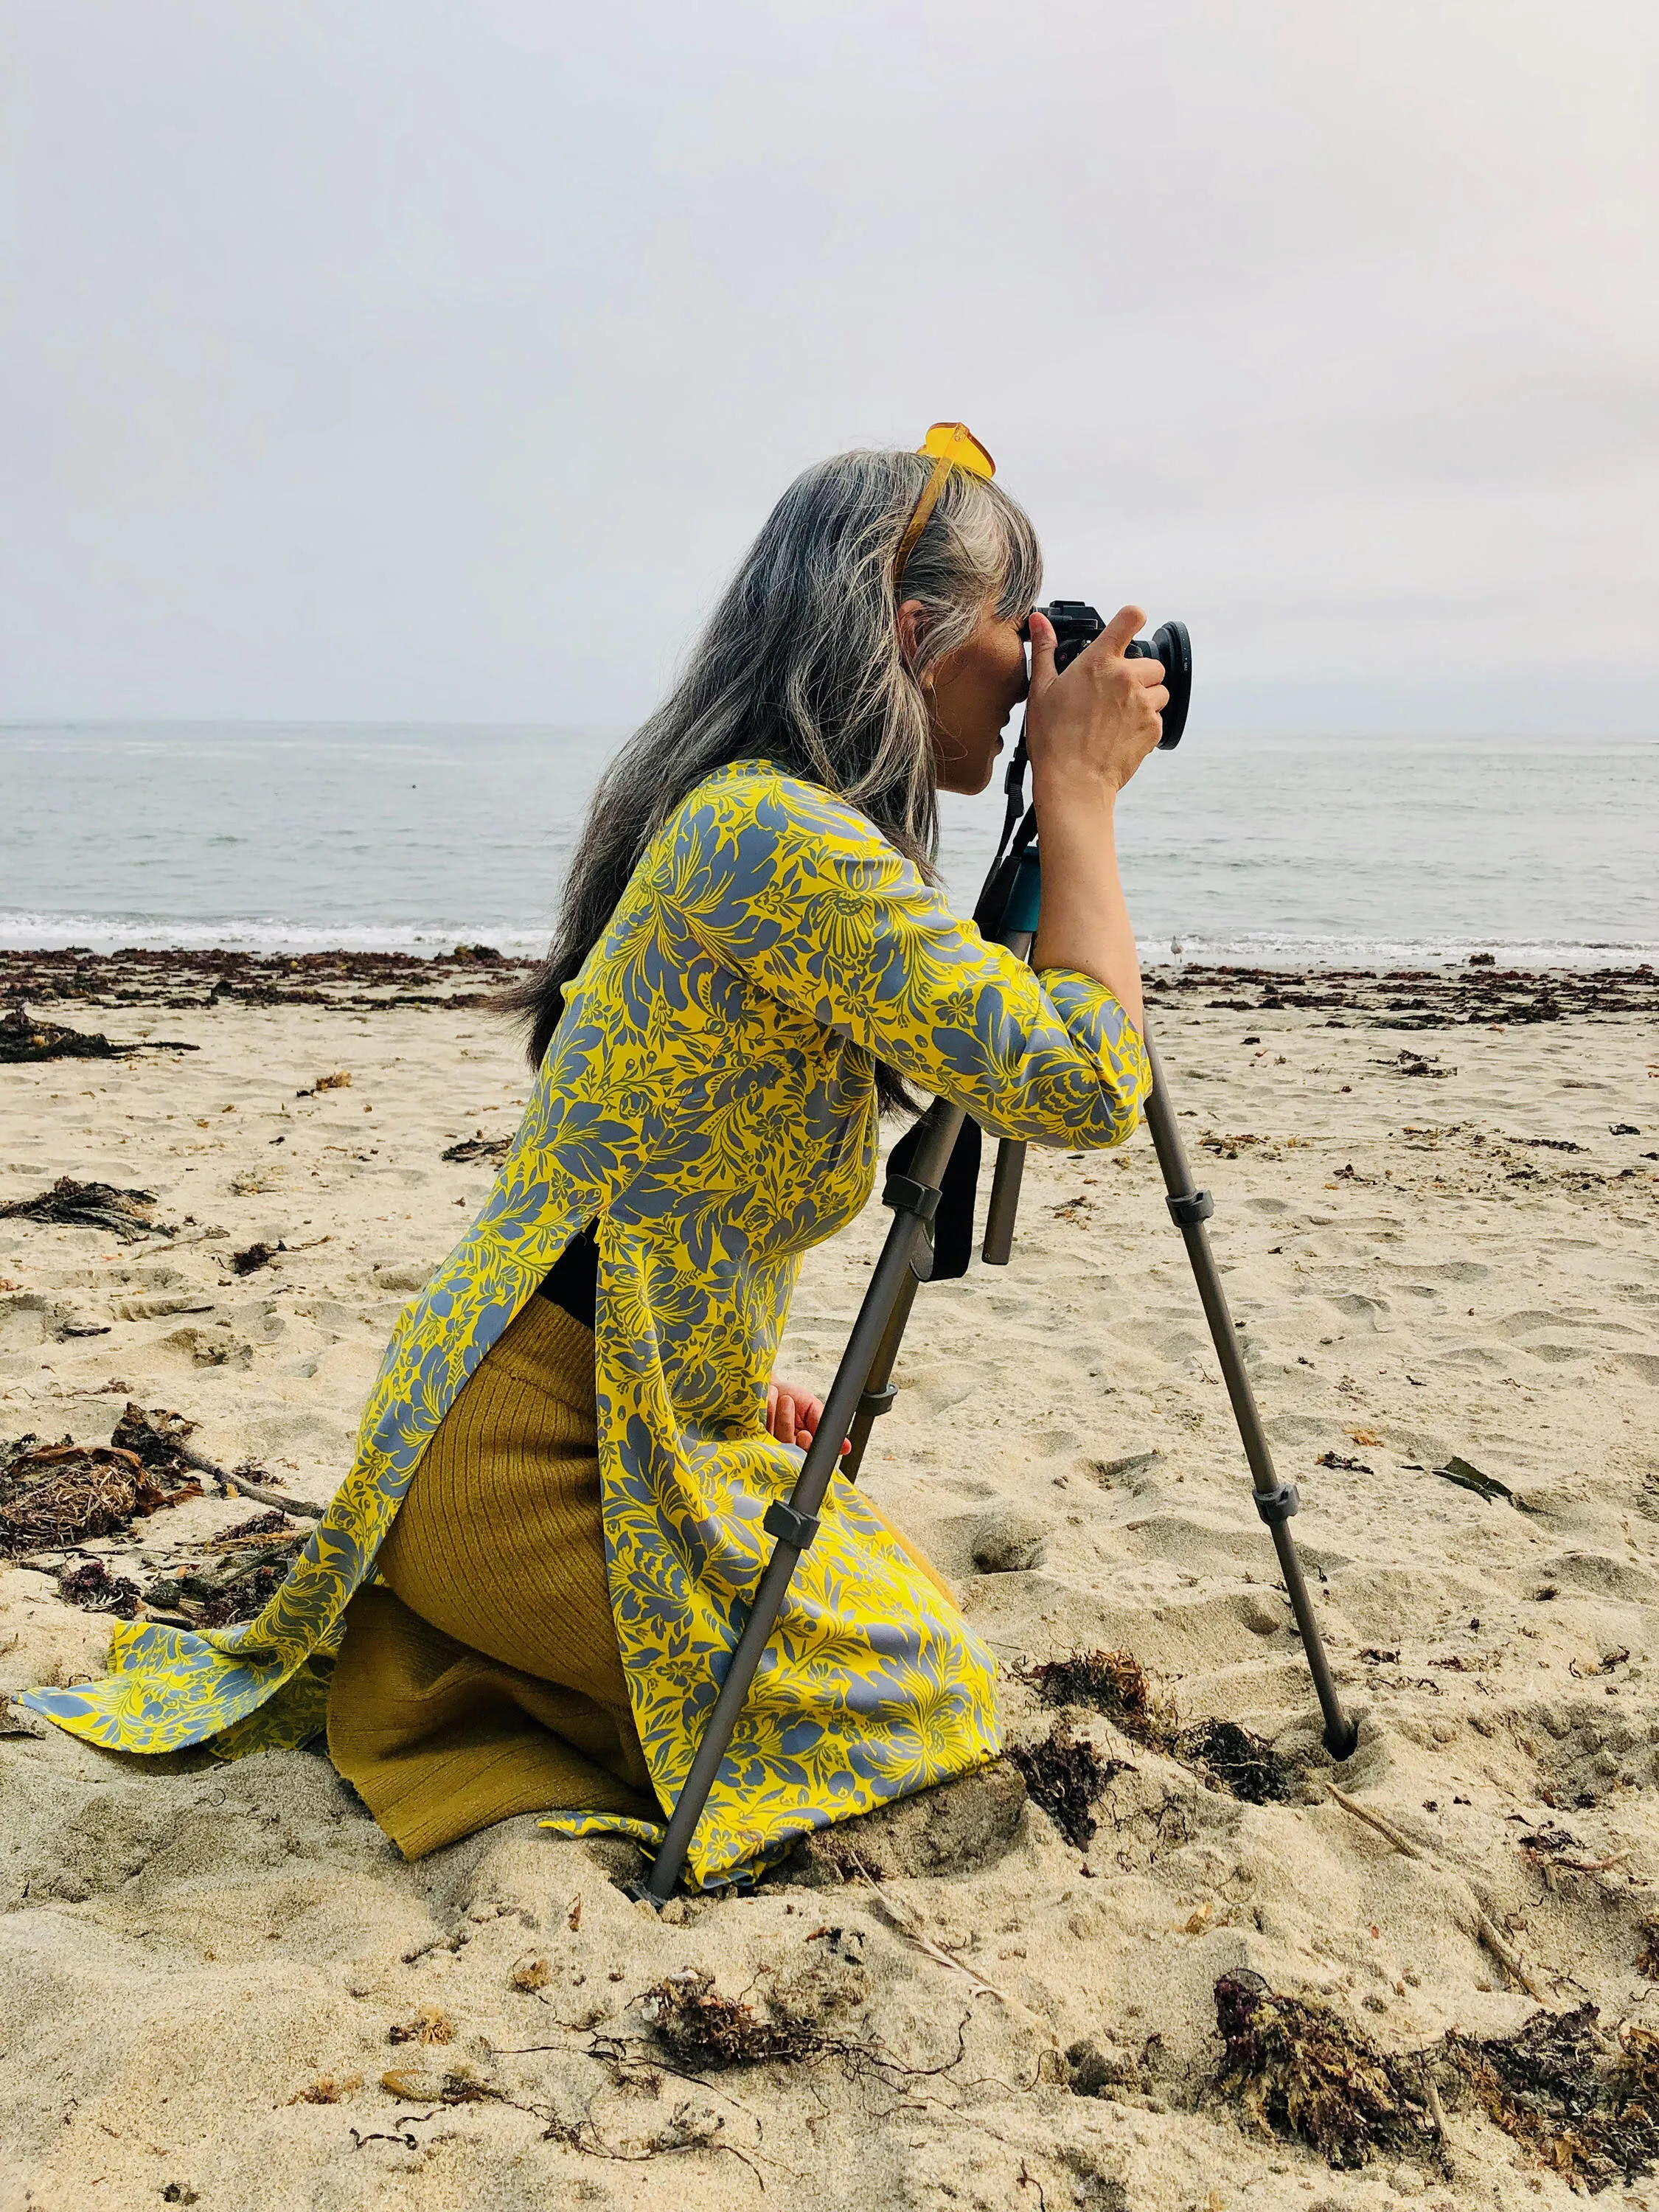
(1240, 1762)
(232, 1577)
(1114, 1683)
(1066, 1775)
(157, 1438)
(1299, 2070)
(95, 1589)
(59, 1494)
(480, 1147)
(22, 1039)
(1585, 2103)
(89, 1205)
(699, 2027)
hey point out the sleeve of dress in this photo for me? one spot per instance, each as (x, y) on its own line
(800, 892)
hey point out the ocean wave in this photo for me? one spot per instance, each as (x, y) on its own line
(40, 933)
(274, 933)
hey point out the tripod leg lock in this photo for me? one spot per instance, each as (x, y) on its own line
(792, 1528)
(906, 1196)
(1186, 1212)
(1277, 1505)
(876, 1402)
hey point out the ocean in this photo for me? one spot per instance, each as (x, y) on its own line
(1398, 851)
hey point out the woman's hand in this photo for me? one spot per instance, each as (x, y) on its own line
(792, 1414)
(1089, 730)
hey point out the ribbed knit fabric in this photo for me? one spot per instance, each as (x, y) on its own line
(485, 1681)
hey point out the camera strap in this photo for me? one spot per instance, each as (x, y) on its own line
(1013, 787)
(951, 1228)
(953, 1225)
(1019, 828)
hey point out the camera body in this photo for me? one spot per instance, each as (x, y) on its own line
(1077, 624)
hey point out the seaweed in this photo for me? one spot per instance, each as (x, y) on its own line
(233, 1577)
(262, 1524)
(1584, 2102)
(376, 982)
(1587, 2104)
(157, 1439)
(480, 1147)
(1251, 1769)
(1066, 1776)
(1115, 1683)
(25, 1039)
(1299, 2070)
(89, 1205)
(699, 2027)
(1468, 1477)
(18, 1453)
(95, 1589)
(249, 1263)
(59, 1494)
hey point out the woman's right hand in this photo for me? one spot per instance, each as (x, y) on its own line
(1089, 729)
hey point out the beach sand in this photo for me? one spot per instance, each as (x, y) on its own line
(219, 1983)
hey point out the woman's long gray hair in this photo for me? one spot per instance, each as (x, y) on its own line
(801, 664)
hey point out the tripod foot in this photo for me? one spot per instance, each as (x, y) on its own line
(1341, 1743)
(637, 1893)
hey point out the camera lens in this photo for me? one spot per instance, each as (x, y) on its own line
(1172, 646)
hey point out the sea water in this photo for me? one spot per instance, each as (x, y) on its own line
(1404, 850)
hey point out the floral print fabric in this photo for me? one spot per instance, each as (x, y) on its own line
(709, 1097)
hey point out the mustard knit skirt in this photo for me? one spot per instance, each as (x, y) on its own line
(481, 1677)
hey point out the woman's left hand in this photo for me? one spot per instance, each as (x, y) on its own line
(792, 1414)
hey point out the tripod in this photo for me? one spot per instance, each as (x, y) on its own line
(863, 1388)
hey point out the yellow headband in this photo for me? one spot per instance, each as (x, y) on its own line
(953, 445)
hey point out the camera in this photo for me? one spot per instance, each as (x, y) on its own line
(1077, 624)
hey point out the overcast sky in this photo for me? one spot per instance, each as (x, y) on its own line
(382, 359)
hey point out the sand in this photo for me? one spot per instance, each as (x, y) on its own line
(203, 1967)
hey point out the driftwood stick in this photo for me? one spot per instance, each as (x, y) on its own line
(263, 1494)
(1484, 1928)
(1437, 2116)
(1505, 1957)
(904, 1917)
(1389, 1833)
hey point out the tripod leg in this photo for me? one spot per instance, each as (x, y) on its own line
(878, 1392)
(1005, 1203)
(913, 1199)
(1275, 1501)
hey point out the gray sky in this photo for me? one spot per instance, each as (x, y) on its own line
(382, 359)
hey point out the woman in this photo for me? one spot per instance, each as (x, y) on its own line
(526, 1590)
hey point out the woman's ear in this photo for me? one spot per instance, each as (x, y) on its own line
(910, 635)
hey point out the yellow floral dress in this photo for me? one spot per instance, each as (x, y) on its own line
(709, 1097)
